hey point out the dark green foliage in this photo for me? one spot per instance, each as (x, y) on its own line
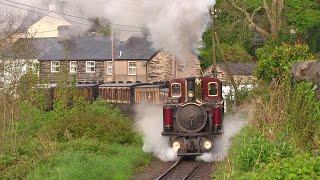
(90, 141)
(276, 61)
(302, 15)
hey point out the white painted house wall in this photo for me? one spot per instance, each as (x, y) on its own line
(47, 26)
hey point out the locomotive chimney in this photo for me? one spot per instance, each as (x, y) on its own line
(191, 84)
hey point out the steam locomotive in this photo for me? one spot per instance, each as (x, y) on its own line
(193, 114)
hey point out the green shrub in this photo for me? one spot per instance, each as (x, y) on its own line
(298, 167)
(88, 140)
(99, 120)
(275, 61)
(251, 149)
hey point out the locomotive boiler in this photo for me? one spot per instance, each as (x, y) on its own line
(193, 114)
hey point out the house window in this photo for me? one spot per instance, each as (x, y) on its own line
(109, 68)
(73, 66)
(55, 66)
(90, 67)
(132, 68)
(213, 89)
(176, 90)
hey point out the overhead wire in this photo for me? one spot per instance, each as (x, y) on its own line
(36, 12)
(64, 14)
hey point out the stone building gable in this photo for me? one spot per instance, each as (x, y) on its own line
(189, 67)
(160, 68)
(165, 67)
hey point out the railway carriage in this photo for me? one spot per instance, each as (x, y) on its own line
(193, 113)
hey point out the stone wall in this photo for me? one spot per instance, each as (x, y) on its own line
(308, 71)
(100, 75)
(64, 74)
(165, 67)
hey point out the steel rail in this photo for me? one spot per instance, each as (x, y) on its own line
(196, 167)
(163, 176)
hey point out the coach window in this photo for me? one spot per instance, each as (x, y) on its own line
(55, 66)
(176, 90)
(213, 89)
(132, 68)
(90, 67)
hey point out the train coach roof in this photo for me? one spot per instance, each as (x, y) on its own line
(153, 86)
(120, 85)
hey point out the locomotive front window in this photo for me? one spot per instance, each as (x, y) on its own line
(176, 90)
(213, 89)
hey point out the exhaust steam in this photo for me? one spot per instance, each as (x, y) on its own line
(149, 124)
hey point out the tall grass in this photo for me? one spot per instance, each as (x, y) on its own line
(282, 140)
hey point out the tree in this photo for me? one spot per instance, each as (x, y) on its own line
(273, 12)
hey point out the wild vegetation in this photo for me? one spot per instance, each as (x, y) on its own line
(283, 135)
(72, 141)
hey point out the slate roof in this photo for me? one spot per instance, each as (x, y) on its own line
(88, 48)
(239, 68)
(236, 68)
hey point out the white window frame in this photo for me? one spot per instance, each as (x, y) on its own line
(180, 90)
(87, 67)
(132, 74)
(209, 90)
(73, 66)
(55, 66)
(109, 67)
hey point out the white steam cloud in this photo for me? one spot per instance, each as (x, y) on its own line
(149, 124)
(232, 125)
(174, 25)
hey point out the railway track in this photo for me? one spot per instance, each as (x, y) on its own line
(185, 170)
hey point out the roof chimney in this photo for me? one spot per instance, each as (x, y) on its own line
(52, 5)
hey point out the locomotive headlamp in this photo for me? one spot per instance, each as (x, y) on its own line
(176, 146)
(207, 145)
(191, 94)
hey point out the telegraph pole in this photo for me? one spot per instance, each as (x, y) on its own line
(112, 54)
(214, 15)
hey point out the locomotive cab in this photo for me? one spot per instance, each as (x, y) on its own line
(193, 114)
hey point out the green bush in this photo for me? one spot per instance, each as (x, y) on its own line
(251, 149)
(298, 167)
(276, 61)
(88, 140)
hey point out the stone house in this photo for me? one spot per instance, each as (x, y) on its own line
(89, 59)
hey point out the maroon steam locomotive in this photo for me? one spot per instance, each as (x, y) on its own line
(193, 114)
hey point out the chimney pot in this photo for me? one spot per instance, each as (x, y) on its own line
(52, 5)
